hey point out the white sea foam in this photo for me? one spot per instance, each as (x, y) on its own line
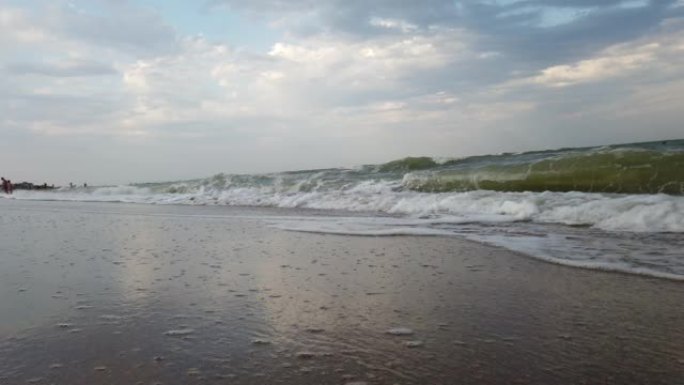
(630, 233)
(399, 331)
(179, 332)
(636, 213)
(656, 255)
(413, 344)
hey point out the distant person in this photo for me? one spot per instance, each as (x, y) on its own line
(71, 185)
(85, 185)
(6, 185)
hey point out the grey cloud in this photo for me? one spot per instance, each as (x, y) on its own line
(118, 25)
(68, 69)
(596, 30)
(510, 28)
(63, 110)
(339, 16)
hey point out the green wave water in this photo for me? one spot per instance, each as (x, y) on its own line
(639, 168)
(636, 168)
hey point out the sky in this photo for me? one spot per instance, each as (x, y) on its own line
(123, 91)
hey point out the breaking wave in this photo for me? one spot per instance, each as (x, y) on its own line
(634, 187)
(614, 208)
(606, 211)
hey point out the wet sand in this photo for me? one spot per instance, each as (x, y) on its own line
(95, 293)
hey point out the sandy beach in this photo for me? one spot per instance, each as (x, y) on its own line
(103, 293)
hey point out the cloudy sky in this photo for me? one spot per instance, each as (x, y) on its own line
(118, 91)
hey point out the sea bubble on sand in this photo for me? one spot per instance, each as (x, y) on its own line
(110, 317)
(179, 332)
(400, 331)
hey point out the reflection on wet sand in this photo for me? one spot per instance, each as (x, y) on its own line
(116, 294)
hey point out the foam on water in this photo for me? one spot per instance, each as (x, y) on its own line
(179, 332)
(652, 254)
(613, 212)
(639, 234)
(400, 331)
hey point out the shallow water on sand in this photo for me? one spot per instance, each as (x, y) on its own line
(124, 294)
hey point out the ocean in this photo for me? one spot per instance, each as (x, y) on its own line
(617, 208)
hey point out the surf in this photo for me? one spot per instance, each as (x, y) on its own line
(618, 208)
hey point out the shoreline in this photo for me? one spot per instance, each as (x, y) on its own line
(165, 294)
(621, 250)
(315, 213)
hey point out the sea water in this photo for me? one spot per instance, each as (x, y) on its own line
(617, 208)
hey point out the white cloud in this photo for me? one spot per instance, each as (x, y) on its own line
(211, 83)
(396, 24)
(662, 54)
(16, 28)
(597, 69)
(369, 64)
(633, 4)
